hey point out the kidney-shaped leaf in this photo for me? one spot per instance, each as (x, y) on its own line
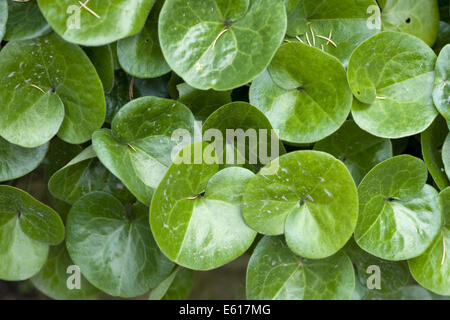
(25, 21)
(16, 161)
(419, 18)
(196, 213)
(441, 91)
(303, 106)
(48, 86)
(114, 248)
(432, 268)
(220, 44)
(276, 273)
(392, 76)
(95, 23)
(360, 151)
(317, 195)
(337, 26)
(138, 148)
(27, 228)
(399, 215)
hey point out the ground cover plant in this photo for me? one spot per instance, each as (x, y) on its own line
(146, 143)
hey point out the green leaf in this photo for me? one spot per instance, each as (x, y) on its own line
(393, 274)
(100, 24)
(274, 272)
(432, 269)
(137, 149)
(114, 248)
(48, 86)
(141, 55)
(346, 22)
(305, 108)
(27, 228)
(360, 151)
(53, 277)
(25, 21)
(16, 161)
(177, 286)
(399, 215)
(441, 91)
(85, 174)
(196, 213)
(432, 141)
(233, 123)
(3, 17)
(220, 44)
(392, 76)
(103, 61)
(317, 195)
(446, 155)
(202, 102)
(419, 18)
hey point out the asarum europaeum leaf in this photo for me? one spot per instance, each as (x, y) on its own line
(419, 18)
(27, 228)
(140, 55)
(357, 149)
(432, 141)
(244, 134)
(308, 195)
(441, 91)
(139, 146)
(432, 268)
(337, 26)
(98, 22)
(85, 174)
(220, 44)
(3, 17)
(53, 278)
(392, 77)
(196, 214)
(103, 60)
(399, 214)
(114, 247)
(394, 274)
(25, 21)
(304, 94)
(276, 273)
(48, 87)
(16, 161)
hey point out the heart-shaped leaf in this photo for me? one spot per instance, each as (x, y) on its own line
(202, 102)
(432, 141)
(360, 151)
(48, 86)
(114, 248)
(399, 215)
(85, 174)
(303, 107)
(196, 213)
(53, 278)
(419, 18)
(392, 76)
(25, 21)
(103, 61)
(16, 161)
(441, 91)
(276, 273)
(141, 55)
(220, 44)
(317, 195)
(27, 228)
(138, 148)
(432, 268)
(231, 125)
(337, 26)
(393, 274)
(95, 23)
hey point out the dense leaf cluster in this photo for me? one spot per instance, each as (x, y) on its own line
(354, 96)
